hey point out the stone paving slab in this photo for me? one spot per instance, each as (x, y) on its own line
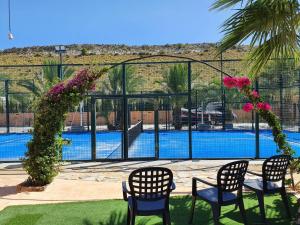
(101, 180)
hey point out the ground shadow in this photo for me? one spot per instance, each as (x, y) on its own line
(14, 166)
(117, 218)
(27, 219)
(116, 166)
(275, 212)
(8, 190)
(180, 209)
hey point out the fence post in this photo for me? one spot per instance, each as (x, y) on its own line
(156, 132)
(190, 109)
(169, 110)
(6, 90)
(88, 114)
(281, 98)
(223, 100)
(252, 121)
(196, 100)
(93, 127)
(299, 101)
(165, 108)
(60, 67)
(256, 126)
(125, 114)
(141, 107)
(59, 71)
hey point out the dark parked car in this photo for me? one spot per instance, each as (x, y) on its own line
(211, 115)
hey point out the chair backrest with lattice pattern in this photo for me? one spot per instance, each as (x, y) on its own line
(150, 183)
(231, 176)
(275, 167)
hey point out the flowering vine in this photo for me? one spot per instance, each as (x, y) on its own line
(41, 159)
(264, 109)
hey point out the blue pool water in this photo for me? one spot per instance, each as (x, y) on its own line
(172, 144)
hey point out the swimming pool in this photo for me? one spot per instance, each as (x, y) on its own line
(171, 144)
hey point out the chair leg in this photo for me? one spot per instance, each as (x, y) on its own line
(192, 209)
(261, 203)
(128, 216)
(216, 213)
(236, 205)
(286, 203)
(132, 218)
(166, 218)
(242, 209)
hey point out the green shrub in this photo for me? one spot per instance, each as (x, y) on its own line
(84, 52)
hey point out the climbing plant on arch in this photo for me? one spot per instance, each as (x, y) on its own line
(43, 155)
(256, 103)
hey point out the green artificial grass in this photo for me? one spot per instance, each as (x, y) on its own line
(113, 212)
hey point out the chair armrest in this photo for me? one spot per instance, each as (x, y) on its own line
(254, 173)
(125, 191)
(205, 182)
(194, 185)
(173, 186)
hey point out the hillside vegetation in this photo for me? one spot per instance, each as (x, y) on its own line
(113, 53)
(92, 54)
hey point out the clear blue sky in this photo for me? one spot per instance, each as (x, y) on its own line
(132, 22)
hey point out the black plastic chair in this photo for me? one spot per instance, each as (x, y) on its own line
(230, 179)
(271, 181)
(149, 193)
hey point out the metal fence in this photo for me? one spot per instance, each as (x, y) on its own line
(175, 108)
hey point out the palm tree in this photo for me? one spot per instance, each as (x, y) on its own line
(175, 81)
(114, 86)
(46, 79)
(271, 26)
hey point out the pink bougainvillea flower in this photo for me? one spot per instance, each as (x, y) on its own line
(260, 105)
(255, 94)
(264, 106)
(243, 82)
(248, 107)
(57, 89)
(267, 107)
(80, 79)
(230, 82)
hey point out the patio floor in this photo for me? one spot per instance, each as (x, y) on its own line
(100, 180)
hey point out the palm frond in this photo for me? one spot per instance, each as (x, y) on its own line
(224, 4)
(50, 72)
(30, 86)
(68, 72)
(272, 27)
(175, 79)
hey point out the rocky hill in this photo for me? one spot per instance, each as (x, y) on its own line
(91, 53)
(95, 54)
